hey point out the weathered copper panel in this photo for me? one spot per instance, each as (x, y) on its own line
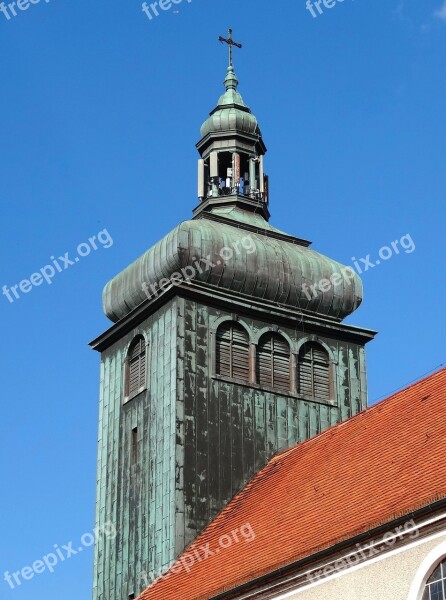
(238, 427)
(136, 492)
(284, 271)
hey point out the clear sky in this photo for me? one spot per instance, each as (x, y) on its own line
(100, 109)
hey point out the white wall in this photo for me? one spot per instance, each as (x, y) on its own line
(397, 575)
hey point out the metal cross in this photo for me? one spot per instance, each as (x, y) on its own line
(230, 43)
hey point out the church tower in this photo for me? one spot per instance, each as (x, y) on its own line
(227, 345)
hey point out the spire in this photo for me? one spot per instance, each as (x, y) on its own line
(231, 96)
(231, 81)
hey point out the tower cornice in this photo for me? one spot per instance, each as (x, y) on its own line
(233, 302)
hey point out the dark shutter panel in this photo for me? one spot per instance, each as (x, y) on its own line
(136, 366)
(142, 369)
(232, 355)
(133, 376)
(273, 363)
(136, 349)
(319, 354)
(224, 350)
(265, 362)
(240, 353)
(314, 372)
(240, 362)
(321, 381)
(281, 365)
(305, 377)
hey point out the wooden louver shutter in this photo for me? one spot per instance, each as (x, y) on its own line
(314, 372)
(232, 353)
(305, 376)
(136, 366)
(321, 374)
(224, 351)
(281, 364)
(273, 363)
(264, 362)
(240, 353)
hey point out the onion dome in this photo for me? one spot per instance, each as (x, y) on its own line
(269, 266)
(231, 113)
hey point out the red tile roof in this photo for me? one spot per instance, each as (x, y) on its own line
(381, 464)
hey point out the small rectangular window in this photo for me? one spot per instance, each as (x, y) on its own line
(134, 458)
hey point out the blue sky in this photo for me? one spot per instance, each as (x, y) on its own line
(100, 109)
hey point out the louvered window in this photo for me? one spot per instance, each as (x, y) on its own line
(136, 367)
(314, 372)
(232, 351)
(273, 362)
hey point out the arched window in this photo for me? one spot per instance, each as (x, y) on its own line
(314, 372)
(436, 584)
(136, 367)
(273, 362)
(232, 352)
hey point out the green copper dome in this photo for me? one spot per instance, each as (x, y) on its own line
(231, 113)
(273, 267)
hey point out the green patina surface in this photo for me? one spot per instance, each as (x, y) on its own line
(277, 268)
(231, 112)
(141, 504)
(200, 439)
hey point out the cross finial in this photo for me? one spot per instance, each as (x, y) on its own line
(230, 43)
